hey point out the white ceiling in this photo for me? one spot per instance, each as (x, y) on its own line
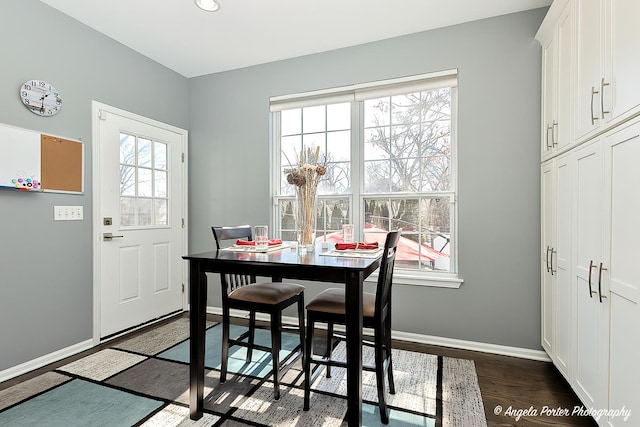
(242, 33)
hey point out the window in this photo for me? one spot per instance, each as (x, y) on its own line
(389, 152)
(143, 182)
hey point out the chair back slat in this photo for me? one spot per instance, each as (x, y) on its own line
(385, 274)
(226, 236)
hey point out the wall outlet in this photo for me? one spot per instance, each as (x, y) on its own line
(68, 213)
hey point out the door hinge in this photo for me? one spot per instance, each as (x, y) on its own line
(182, 222)
(183, 288)
(182, 157)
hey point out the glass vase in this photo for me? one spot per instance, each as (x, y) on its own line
(306, 211)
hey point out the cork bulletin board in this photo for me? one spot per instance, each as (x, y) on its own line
(61, 164)
(33, 161)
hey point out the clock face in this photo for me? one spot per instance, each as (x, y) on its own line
(40, 98)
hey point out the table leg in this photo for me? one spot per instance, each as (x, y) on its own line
(197, 326)
(353, 302)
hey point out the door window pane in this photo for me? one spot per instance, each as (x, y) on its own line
(160, 156)
(160, 212)
(127, 211)
(145, 212)
(127, 180)
(144, 152)
(160, 184)
(127, 149)
(145, 182)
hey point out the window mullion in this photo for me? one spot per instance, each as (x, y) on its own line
(275, 173)
(357, 166)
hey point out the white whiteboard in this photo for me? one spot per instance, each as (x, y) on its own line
(19, 159)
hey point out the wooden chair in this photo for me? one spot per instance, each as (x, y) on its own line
(329, 307)
(241, 292)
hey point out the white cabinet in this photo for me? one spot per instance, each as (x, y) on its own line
(590, 275)
(607, 64)
(590, 254)
(591, 317)
(621, 279)
(622, 63)
(548, 241)
(549, 98)
(557, 307)
(590, 70)
(557, 67)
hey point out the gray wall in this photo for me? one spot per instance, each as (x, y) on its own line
(46, 266)
(498, 142)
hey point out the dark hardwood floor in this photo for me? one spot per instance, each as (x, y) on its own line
(519, 386)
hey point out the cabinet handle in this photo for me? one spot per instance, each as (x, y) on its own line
(549, 144)
(554, 132)
(591, 267)
(553, 251)
(600, 283)
(602, 85)
(546, 259)
(593, 92)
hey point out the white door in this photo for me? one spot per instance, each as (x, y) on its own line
(564, 80)
(622, 95)
(548, 94)
(589, 74)
(561, 266)
(548, 278)
(140, 201)
(621, 279)
(591, 316)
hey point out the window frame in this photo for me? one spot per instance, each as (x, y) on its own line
(356, 95)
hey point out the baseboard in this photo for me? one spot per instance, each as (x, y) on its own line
(45, 360)
(523, 353)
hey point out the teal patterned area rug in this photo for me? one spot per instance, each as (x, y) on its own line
(144, 381)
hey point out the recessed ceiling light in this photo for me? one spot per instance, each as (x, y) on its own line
(208, 5)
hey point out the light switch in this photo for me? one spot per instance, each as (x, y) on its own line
(68, 213)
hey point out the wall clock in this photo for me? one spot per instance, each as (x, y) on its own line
(40, 98)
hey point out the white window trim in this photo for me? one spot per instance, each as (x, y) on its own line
(418, 278)
(360, 92)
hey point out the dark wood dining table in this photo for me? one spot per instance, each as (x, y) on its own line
(281, 264)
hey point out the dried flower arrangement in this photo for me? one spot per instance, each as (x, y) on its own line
(306, 177)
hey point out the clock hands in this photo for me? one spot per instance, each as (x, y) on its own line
(42, 100)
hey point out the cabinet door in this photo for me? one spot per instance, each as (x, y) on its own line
(548, 95)
(588, 72)
(561, 267)
(591, 316)
(562, 135)
(622, 277)
(548, 278)
(622, 89)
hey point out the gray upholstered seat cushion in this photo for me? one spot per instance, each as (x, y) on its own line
(332, 301)
(266, 293)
